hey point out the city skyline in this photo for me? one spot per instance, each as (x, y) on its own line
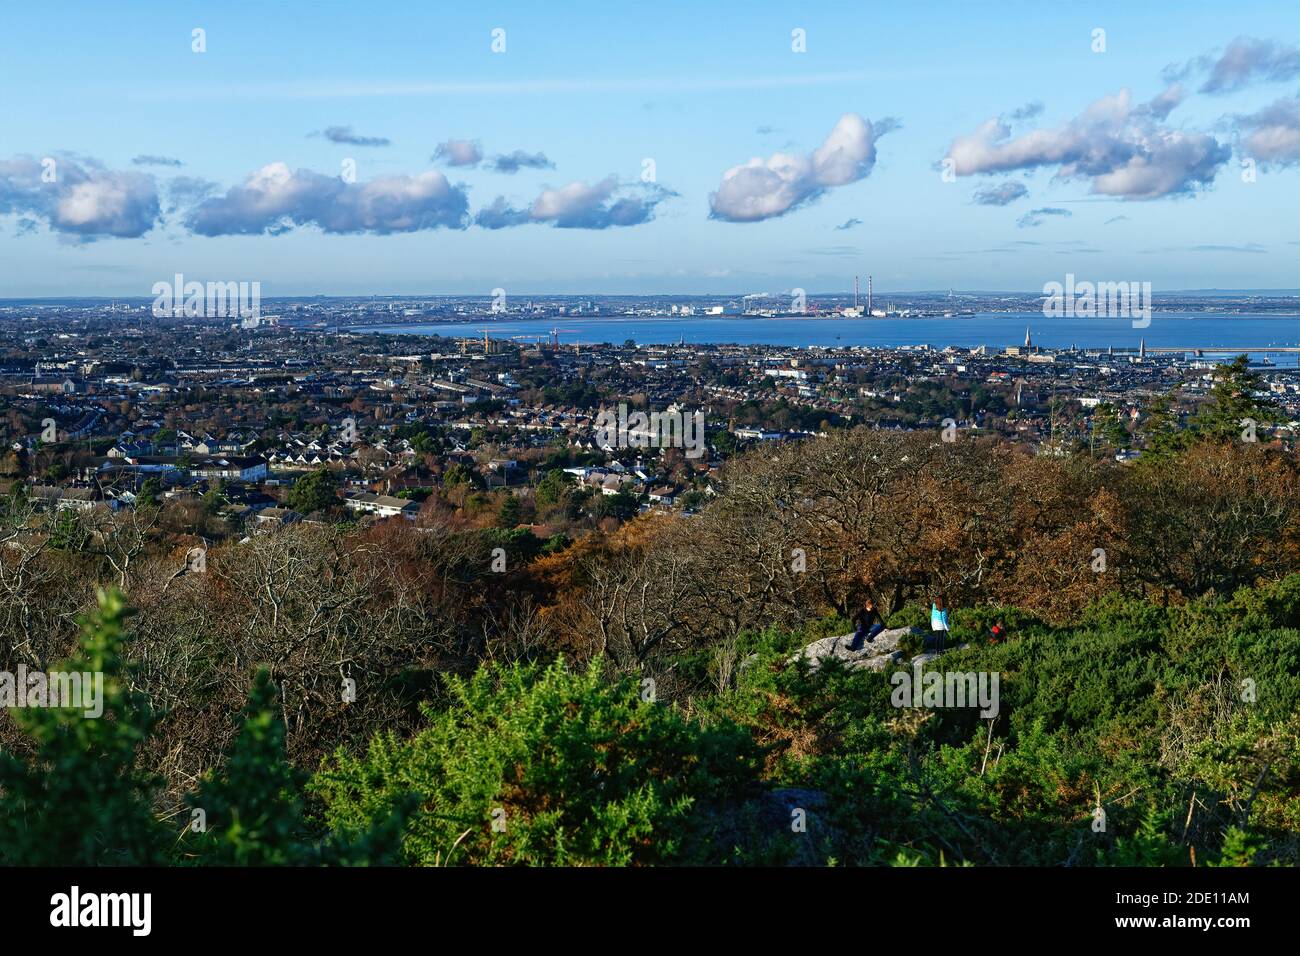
(681, 151)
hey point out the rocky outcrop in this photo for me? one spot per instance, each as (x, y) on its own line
(875, 656)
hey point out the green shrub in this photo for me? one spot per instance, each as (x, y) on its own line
(252, 811)
(547, 766)
(80, 801)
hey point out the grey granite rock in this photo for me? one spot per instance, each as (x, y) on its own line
(875, 655)
(881, 653)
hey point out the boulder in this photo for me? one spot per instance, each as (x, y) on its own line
(881, 653)
(875, 655)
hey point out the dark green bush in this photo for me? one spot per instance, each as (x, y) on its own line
(547, 766)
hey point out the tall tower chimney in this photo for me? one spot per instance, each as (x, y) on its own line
(869, 290)
(855, 293)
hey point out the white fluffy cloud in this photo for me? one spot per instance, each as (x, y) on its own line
(80, 198)
(1122, 148)
(1273, 134)
(274, 199)
(580, 205)
(766, 188)
(459, 152)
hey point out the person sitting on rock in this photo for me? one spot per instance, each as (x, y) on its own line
(867, 624)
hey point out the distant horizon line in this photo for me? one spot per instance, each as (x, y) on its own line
(1278, 292)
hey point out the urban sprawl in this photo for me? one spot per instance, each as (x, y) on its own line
(313, 413)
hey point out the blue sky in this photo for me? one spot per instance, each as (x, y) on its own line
(1126, 186)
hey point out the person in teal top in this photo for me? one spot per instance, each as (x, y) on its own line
(939, 623)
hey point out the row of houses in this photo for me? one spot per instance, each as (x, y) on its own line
(617, 477)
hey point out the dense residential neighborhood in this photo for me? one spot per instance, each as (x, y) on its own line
(102, 407)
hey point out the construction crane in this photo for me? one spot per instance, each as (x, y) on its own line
(487, 343)
(555, 336)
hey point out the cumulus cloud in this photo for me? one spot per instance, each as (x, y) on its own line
(274, 199)
(580, 205)
(344, 135)
(85, 200)
(458, 152)
(1246, 60)
(1120, 147)
(1272, 135)
(1001, 194)
(151, 160)
(513, 162)
(501, 215)
(767, 188)
(1036, 217)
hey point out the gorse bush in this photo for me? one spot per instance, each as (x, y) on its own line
(1141, 735)
(546, 766)
(80, 800)
(1178, 724)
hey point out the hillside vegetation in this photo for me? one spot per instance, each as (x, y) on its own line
(323, 694)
